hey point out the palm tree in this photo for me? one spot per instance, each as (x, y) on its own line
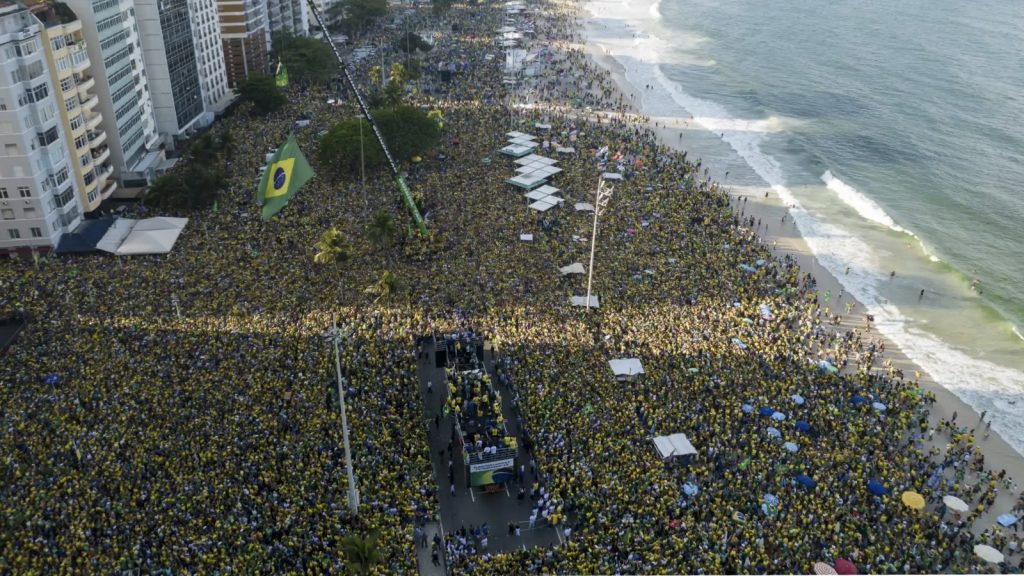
(332, 247)
(382, 230)
(386, 287)
(362, 552)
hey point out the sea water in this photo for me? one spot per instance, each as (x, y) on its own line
(896, 133)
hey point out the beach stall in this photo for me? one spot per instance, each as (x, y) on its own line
(574, 268)
(581, 301)
(527, 181)
(675, 446)
(626, 369)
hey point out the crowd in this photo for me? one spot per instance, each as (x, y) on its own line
(137, 439)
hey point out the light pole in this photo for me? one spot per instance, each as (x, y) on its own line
(353, 493)
(601, 199)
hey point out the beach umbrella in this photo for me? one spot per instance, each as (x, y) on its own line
(912, 500)
(803, 426)
(771, 499)
(822, 569)
(858, 400)
(988, 553)
(844, 566)
(1007, 519)
(760, 262)
(773, 432)
(878, 406)
(955, 504)
(798, 399)
(791, 446)
(876, 488)
(51, 379)
(778, 416)
(747, 268)
(739, 343)
(747, 408)
(806, 481)
(766, 411)
(690, 489)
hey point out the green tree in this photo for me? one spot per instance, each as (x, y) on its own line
(332, 247)
(411, 42)
(407, 130)
(382, 230)
(362, 552)
(191, 187)
(359, 14)
(386, 287)
(307, 59)
(340, 146)
(263, 92)
(441, 6)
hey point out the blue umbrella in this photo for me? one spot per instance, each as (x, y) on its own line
(771, 499)
(747, 268)
(773, 432)
(766, 411)
(778, 416)
(1007, 519)
(803, 426)
(760, 262)
(51, 379)
(806, 481)
(791, 446)
(747, 408)
(876, 488)
(858, 400)
(878, 406)
(797, 399)
(690, 489)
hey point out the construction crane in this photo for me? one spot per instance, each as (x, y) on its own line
(399, 179)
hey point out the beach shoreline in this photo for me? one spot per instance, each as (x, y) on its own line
(780, 232)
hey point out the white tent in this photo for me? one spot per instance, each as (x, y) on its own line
(565, 150)
(611, 176)
(626, 366)
(582, 301)
(544, 205)
(518, 150)
(535, 158)
(526, 237)
(116, 234)
(538, 194)
(674, 445)
(575, 268)
(149, 236)
(548, 189)
(515, 134)
(584, 207)
(527, 181)
(540, 126)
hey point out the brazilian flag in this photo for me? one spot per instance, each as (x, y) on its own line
(281, 78)
(286, 173)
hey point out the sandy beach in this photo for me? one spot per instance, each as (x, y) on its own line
(779, 230)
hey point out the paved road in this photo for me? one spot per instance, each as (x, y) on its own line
(423, 557)
(472, 507)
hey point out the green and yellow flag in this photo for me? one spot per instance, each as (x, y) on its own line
(281, 78)
(286, 173)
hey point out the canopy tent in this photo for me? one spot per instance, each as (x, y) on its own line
(516, 134)
(565, 150)
(86, 237)
(548, 189)
(611, 176)
(595, 302)
(626, 366)
(526, 237)
(584, 207)
(542, 126)
(543, 205)
(517, 150)
(674, 445)
(150, 236)
(576, 268)
(538, 194)
(527, 181)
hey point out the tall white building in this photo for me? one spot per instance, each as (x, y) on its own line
(38, 198)
(112, 39)
(289, 16)
(213, 78)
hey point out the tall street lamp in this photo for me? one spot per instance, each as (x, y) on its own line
(337, 337)
(601, 199)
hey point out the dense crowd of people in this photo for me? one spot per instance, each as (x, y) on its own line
(178, 412)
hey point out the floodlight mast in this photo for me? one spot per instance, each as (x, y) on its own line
(399, 180)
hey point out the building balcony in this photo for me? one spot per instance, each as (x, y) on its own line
(97, 138)
(99, 155)
(91, 102)
(104, 172)
(84, 84)
(79, 57)
(91, 185)
(93, 121)
(109, 188)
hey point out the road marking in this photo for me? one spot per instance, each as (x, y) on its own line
(507, 493)
(471, 493)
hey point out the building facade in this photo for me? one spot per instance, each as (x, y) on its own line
(213, 80)
(171, 65)
(123, 90)
(246, 37)
(70, 72)
(39, 201)
(290, 16)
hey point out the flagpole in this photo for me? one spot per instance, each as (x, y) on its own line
(353, 492)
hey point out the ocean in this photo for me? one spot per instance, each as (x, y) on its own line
(894, 129)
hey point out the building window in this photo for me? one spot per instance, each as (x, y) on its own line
(81, 142)
(37, 94)
(36, 232)
(24, 192)
(108, 23)
(48, 137)
(30, 212)
(63, 63)
(8, 214)
(92, 195)
(57, 43)
(26, 48)
(77, 122)
(3, 193)
(67, 84)
(14, 233)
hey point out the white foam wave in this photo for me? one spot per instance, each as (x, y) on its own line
(1016, 331)
(655, 10)
(771, 124)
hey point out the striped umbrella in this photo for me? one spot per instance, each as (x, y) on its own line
(822, 569)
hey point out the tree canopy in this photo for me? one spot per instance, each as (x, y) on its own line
(407, 129)
(195, 184)
(412, 42)
(356, 15)
(263, 92)
(307, 59)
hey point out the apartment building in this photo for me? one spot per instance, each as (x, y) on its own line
(290, 16)
(39, 200)
(115, 51)
(213, 79)
(246, 37)
(70, 72)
